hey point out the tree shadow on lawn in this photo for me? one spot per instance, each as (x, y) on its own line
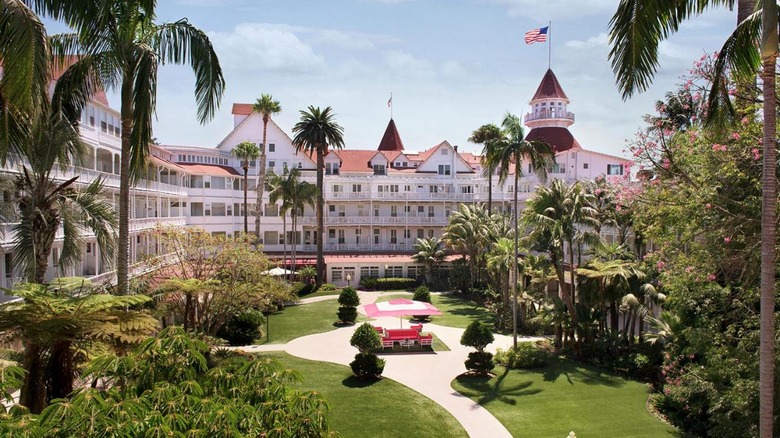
(493, 389)
(356, 382)
(580, 372)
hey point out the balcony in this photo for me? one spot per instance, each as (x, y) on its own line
(428, 196)
(374, 220)
(530, 117)
(151, 223)
(345, 247)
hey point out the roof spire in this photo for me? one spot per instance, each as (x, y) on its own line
(391, 141)
(549, 88)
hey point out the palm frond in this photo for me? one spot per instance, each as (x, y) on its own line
(144, 103)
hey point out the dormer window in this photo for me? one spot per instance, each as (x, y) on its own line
(379, 169)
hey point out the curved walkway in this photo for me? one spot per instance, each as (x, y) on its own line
(428, 374)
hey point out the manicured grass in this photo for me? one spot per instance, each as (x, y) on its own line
(459, 312)
(301, 320)
(321, 293)
(565, 396)
(379, 409)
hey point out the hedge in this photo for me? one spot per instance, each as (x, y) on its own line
(388, 283)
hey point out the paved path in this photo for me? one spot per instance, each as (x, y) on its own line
(428, 374)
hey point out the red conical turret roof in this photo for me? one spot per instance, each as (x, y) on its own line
(391, 141)
(549, 88)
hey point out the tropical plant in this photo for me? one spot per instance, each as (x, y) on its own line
(44, 203)
(753, 47)
(53, 326)
(486, 135)
(315, 133)
(510, 152)
(300, 194)
(428, 252)
(467, 232)
(266, 106)
(118, 45)
(422, 293)
(246, 151)
(243, 328)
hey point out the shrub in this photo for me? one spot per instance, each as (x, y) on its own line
(302, 289)
(366, 338)
(422, 293)
(368, 283)
(367, 365)
(395, 283)
(349, 297)
(480, 362)
(347, 315)
(243, 328)
(328, 287)
(525, 356)
(477, 335)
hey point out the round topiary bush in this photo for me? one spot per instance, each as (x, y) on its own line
(243, 328)
(423, 294)
(480, 362)
(366, 338)
(367, 365)
(349, 300)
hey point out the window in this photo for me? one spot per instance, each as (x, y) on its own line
(376, 237)
(331, 209)
(336, 274)
(530, 170)
(414, 271)
(341, 236)
(342, 211)
(430, 233)
(379, 169)
(357, 188)
(103, 126)
(89, 247)
(584, 165)
(444, 151)
(393, 236)
(444, 169)
(420, 209)
(331, 234)
(271, 147)
(430, 211)
(465, 189)
(557, 168)
(330, 168)
(337, 188)
(614, 169)
(393, 211)
(394, 271)
(9, 266)
(407, 234)
(420, 233)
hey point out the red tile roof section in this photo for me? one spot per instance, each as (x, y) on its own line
(391, 141)
(355, 161)
(549, 88)
(58, 69)
(559, 138)
(242, 109)
(380, 259)
(209, 169)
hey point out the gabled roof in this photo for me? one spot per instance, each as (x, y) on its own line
(242, 109)
(559, 138)
(391, 141)
(209, 169)
(549, 88)
(354, 160)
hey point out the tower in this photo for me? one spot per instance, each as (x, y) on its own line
(550, 117)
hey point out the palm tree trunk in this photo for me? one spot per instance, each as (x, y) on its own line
(246, 213)
(261, 179)
(284, 247)
(490, 194)
(514, 258)
(32, 394)
(768, 222)
(43, 242)
(294, 255)
(60, 371)
(320, 214)
(123, 246)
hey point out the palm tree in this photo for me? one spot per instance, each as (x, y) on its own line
(429, 252)
(467, 233)
(314, 134)
(510, 152)
(265, 105)
(53, 324)
(119, 46)
(277, 192)
(295, 196)
(246, 152)
(486, 136)
(44, 203)
(500, 262)
(635, 36)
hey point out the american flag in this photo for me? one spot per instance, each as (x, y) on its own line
(536, 35)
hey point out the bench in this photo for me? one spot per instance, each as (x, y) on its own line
(426, 341)
(399, 334)
(387, 343)
(417, 327)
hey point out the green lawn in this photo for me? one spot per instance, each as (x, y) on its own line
(562, 397)
(459, 312)
(301, 320)
(321, 293)
(381, 409)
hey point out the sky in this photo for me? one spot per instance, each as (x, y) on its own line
(451, 66)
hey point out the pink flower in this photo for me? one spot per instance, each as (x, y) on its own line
(689, 269)
(719, 147)
(735, 135)
(708, 205)
(711, 277)
(660, 265)
(745, 120)
(756, 154)
(727, 239)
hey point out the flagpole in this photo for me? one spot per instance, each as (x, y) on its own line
(391, 105)
(549, 44)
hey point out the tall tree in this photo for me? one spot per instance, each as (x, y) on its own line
(266, 106)
(429, 252)
(315, 133)
(635, 34)
(295, 196)
(486, 135)
(120, 46)
(510, 151)
(246, 152)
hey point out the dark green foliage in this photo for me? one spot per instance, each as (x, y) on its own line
(477, 335)
(480, 362)
(243, 328)
(422, 293)
(367, 365)
(525, 356)
(302, 289)
(365, 338)
(328, 287)
(347, 315)
(460, 277)
(349, 297)
(388, 283)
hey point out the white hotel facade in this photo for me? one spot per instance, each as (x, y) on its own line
(378, 201)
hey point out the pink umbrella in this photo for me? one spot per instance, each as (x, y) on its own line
(400, 307)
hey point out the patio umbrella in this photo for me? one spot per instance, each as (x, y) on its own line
(400, 307)
(276, 272)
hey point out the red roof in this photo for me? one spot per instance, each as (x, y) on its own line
(355, 161)
(380, 259)
(549, 88)
(209, 169)
(391, 141)
(559, 138)
(242, 109)
(58, 69)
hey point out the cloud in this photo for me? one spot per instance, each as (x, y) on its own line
(598, 41)
(265, 47)
(536, 9)
(344, 40)
(404, 65)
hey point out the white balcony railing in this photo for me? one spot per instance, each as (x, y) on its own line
(547, 116)
(346, 247)
(375, 220)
